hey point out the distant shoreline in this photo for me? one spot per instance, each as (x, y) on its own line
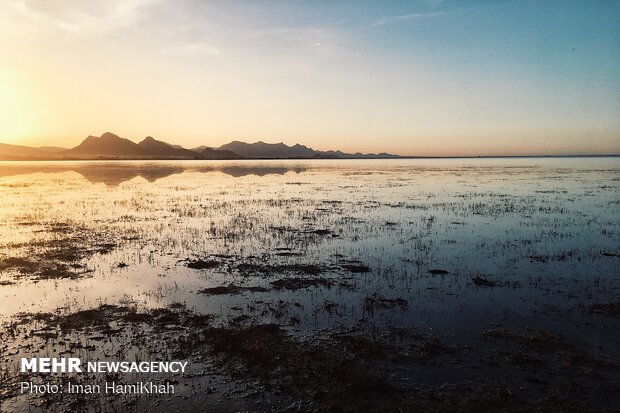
(111, 147)
(106, 159)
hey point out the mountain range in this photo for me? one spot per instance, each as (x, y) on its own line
(111, 146)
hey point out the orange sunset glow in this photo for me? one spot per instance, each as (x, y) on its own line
(209, 73)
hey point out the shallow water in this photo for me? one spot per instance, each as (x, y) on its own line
(544, 231)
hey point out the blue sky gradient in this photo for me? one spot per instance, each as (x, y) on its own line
(412, 77)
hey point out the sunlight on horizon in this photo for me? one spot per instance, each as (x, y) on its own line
(411, 78)
(16, 109)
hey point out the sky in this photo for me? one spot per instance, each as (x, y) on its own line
(425, 77)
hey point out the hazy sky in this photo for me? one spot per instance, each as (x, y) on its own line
(426, 77)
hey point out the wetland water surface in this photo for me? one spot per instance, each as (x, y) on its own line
(412, 285)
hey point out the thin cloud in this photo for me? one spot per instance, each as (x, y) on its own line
(411, 16)
(192, 49)
(84, 17)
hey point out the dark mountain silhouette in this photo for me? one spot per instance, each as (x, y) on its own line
(17, 151)
(268, 150)
(210, 153)
(111, 146)
(153, 147)
(52, 149)
(107, 145)
(262, 150)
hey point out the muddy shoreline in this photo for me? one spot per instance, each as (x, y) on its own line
(390, 370)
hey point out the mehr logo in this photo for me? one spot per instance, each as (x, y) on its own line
(51, 365)
(72, 365)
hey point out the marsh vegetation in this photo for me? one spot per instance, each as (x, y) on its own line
(400, 285)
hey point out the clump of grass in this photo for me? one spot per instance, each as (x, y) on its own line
(483, 282)
(200, 264)
(230, 289)
(299, 283)
(376, 301)
(61, 255)
(608, 309)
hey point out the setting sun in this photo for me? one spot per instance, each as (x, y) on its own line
(17, 120)
(420, 79)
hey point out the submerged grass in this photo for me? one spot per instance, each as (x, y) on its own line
(59, 254)
(352, 289)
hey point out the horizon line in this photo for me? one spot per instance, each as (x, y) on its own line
(262, 140)
(395, 157)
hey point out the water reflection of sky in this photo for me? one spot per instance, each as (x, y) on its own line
(116, 172)
(539, 227)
